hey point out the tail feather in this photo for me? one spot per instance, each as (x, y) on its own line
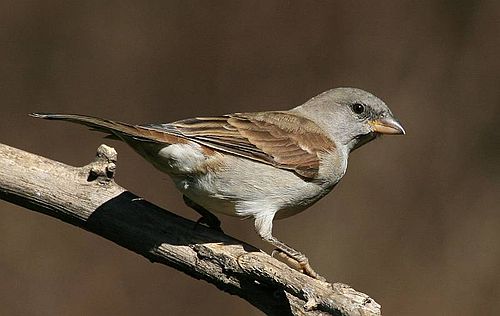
(114, 129)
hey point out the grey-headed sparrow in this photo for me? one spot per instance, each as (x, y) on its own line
(264, 165)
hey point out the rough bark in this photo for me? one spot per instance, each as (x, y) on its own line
(89, 198)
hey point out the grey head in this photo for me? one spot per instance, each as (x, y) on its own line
(351, 117)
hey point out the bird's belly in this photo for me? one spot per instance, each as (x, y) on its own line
(244, 188)
(203, 190)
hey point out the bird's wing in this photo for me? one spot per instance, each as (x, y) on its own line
(281, 139)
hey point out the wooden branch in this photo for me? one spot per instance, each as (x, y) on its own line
(89, 198)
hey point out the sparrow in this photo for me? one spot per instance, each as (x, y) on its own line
(263, 165)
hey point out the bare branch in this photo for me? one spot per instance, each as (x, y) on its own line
(89, 198)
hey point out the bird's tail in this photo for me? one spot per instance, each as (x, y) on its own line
(114, 129)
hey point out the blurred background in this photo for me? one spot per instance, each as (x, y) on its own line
(415, 223)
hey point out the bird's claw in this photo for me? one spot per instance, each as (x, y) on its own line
(301, 264)
(215, 225)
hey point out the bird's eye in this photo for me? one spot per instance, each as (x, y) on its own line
(358, 108)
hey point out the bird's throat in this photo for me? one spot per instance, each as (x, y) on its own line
(363, 139)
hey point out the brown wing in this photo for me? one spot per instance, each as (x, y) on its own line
(281, 139)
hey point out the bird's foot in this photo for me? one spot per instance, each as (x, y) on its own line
(211, 222)
(299, 263)
(206, 218)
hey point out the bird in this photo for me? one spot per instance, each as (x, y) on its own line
(262, 165)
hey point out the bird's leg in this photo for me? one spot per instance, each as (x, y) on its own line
(207, 217)
(263, 226)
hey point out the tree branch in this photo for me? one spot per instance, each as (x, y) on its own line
(89, 198)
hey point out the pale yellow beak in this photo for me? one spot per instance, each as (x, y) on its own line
(387, 125)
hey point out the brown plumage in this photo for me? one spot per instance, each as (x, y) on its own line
(281, 139)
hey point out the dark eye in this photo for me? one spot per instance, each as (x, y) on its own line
(358, 108)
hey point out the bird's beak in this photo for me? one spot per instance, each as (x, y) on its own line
(387, 125)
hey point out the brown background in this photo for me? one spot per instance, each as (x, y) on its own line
(416, 221)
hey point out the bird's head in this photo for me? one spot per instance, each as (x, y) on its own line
(352, 117)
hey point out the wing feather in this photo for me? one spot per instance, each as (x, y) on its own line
(281, 139)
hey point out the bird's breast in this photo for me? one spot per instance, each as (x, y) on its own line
(333, 166)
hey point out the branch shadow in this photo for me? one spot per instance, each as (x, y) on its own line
(140, 226)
